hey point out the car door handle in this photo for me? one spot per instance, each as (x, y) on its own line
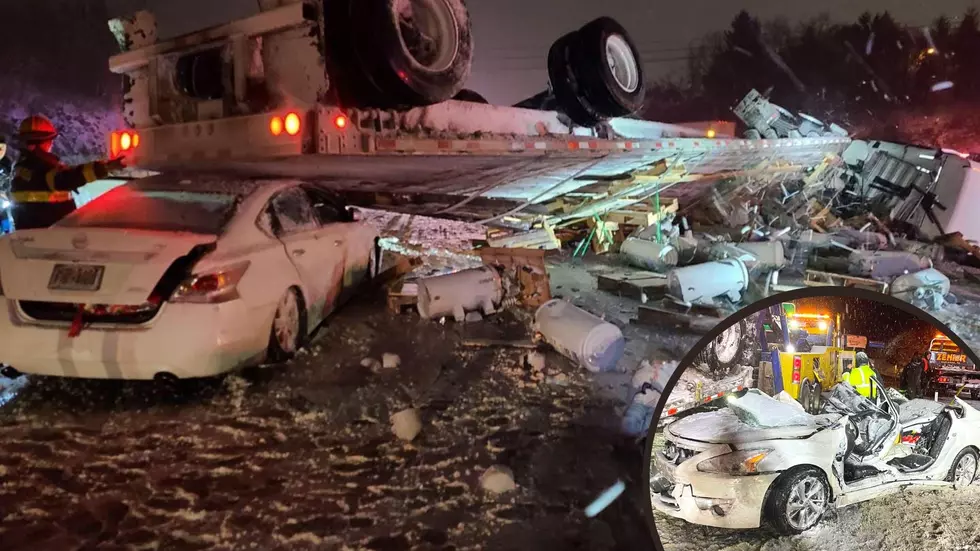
(299, 252)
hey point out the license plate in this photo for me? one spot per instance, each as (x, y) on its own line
(76, 277)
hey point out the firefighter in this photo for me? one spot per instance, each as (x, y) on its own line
(41, 187)
(860, 377)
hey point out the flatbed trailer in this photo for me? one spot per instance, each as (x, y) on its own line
(470, 154)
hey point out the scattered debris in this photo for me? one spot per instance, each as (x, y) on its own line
(605, 499)
(498, 479)
(535, 360)
(406, 424)
(372, 364)
(390, 361)
(473, 317)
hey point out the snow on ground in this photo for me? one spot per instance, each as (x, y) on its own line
(916, 520)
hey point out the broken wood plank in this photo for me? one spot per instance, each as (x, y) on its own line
(814, 278)
(486, 343)
(659, 317)
(641, 286)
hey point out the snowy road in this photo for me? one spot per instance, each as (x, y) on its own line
(914, 521)
(302, 457)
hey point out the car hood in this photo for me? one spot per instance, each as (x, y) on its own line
(724, 427)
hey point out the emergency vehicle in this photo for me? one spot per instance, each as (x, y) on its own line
(950, 369)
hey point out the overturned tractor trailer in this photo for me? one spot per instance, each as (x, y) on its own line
(359, 95)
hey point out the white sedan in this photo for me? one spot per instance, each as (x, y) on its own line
(762, 461)
(179, 276)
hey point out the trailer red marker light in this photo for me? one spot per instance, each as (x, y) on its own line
(340, 122)
(275, 126)
(797, 367)
(292, 124)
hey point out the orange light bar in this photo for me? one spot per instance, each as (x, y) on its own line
(292, 124)
(812, 316)
(275, 126)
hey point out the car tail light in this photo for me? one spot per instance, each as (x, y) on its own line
(211, 287)
(340, 121)
(275, 126)
(943, 380)
(797, 367)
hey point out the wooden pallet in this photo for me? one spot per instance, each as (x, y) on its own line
(401, 296)
(699, 319)
(637, 285)
(814, 278)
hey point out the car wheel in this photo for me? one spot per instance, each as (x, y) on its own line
(607, 67)
(565, 87)
(797, 501)
(288, 326)
(964, 469)
(419, 52)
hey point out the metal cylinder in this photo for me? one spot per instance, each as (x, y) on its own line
(649, 255)
(764, 254)
(703, 282)
(457, 293)
(931, 279)
(595, 344)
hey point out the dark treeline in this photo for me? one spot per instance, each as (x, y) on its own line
(856, 74)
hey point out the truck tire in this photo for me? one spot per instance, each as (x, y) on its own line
(470, 96)
(413, 52)
(607, 67)
(565, 87)
(733, 348)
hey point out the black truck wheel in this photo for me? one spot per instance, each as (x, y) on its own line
(565, 87)
(411, 52)
(607, 67)
(735, 347)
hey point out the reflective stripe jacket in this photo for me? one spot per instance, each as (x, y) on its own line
(41, 188)
(860, 379)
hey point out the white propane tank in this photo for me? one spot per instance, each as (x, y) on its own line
(595, 344)
(649, 255)
(767, 254)
(457, 293)
(905, 286)
(706, 281)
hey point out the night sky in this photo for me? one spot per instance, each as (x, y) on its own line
(869, 318)
(512, 36)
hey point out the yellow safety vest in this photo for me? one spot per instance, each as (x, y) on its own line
(860, 379)
(41, 196)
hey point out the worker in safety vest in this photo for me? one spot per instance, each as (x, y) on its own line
(41, 187)
(860, 376)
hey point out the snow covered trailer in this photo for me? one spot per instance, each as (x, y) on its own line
(270, 95)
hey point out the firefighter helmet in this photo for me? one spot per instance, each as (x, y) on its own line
(37, 129)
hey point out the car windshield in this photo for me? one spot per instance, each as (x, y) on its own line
(204, 213)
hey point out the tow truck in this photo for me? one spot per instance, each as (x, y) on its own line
(296, 91)
(950, 369)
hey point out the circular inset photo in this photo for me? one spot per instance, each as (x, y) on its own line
(821, 422)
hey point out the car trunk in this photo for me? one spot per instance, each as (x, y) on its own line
(91, 266)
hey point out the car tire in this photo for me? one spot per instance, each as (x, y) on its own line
(565, 87)
(289, 327)
(607, 67)
(412, 63)
(470, 96)
(776, 507)
(964, 469)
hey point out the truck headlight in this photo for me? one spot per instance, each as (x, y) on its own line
(736, 463)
